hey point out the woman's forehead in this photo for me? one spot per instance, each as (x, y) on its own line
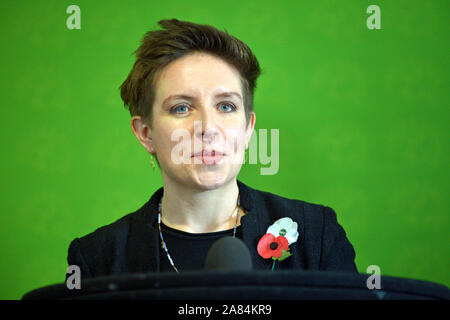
(198, 76)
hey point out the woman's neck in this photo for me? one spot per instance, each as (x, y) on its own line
(198, 210)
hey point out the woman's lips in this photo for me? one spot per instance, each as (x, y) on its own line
(209, 157)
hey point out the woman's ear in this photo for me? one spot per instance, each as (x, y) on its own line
(143, 133)
(250, 128)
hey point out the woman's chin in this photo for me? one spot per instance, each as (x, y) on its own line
(211, 180)
(204, 177)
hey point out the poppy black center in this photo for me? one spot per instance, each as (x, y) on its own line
(273, 245)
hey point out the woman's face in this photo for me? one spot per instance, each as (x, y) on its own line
(199, 126)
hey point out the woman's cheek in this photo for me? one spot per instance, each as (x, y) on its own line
(235, 143)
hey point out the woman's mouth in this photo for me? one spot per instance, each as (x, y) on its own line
(209, 158)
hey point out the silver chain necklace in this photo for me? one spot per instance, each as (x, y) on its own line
(163, 244)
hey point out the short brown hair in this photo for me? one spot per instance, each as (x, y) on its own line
(180, 38)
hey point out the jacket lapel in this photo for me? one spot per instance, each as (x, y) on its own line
(254, 224)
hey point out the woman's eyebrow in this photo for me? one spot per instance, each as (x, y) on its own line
(187, 97)
(229, 94)
(178, 96)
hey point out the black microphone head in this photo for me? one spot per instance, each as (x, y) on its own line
(228, 254)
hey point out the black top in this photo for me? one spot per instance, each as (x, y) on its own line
(132, 245)
(189, 250)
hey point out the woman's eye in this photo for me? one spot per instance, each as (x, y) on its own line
(228, 107)
(180, 109)
(183, 108)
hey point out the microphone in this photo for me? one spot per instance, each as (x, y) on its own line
(228, 254)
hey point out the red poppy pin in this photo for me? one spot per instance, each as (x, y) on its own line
(275, 243)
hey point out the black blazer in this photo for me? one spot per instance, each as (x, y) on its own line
(131, 244)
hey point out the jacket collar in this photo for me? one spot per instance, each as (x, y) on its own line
(143, 246)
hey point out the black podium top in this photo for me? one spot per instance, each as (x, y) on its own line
(244, 285)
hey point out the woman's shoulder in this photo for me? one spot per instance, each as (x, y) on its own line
(114, 233)
(119, 229)
(313, 218)
(262, 199)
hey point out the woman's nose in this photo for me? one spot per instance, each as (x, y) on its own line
(206, 126)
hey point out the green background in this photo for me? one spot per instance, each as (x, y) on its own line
(362, 116)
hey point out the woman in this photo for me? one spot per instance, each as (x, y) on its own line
(190, 95)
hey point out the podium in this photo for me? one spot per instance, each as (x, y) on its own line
(243, 285)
